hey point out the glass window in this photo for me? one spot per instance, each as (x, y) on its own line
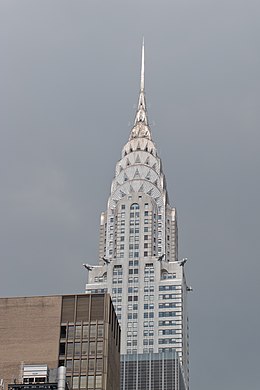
(69, 365)
(92, 348)
(75, 382)
(91, 364)
(99, 365)
(83, 382)
(83, 366)
(69, 349)
(63, 332)
(134, 206)
(77, 349)
(90, 381)
(78, 332)
(76, 365)
(99, 347)
(71, 331)
(93, 330)
(98, 381)
(84, 348)
(101, 329)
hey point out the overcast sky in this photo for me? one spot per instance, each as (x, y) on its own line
(69, 80)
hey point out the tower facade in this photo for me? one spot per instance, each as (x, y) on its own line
(138, 250)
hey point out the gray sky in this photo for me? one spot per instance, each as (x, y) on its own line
(69, 83)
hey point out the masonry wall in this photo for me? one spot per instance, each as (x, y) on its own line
(29, 334)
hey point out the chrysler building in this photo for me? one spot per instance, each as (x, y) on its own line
(139, 264)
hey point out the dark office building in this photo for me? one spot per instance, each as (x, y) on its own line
(151, 371)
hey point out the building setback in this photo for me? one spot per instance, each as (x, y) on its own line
(80, 332)
(139, 264)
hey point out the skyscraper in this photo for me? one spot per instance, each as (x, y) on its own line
(138, 252)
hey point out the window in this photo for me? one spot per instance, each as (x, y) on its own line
(91, 381)
(84, 349)
(166, 305)
(98, 381)
(85, 332)
(167, 341)
(166, 332)
(83, 382)
(148, 314)
(167, 313)
(71, 332)
(75, 382)
(167, 288)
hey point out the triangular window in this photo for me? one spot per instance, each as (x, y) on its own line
(147, 162)
(137, 160)
(137, 174)
(148, 176)
(141, 189)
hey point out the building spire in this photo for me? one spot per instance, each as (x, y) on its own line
(142, 69)
(141, 127)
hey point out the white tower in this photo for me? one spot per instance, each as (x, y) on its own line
(139, 242)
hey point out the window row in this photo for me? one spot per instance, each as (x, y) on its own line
(90, 381)
(81, 349)
(79, 331)
(84, 365)
(169, 341)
